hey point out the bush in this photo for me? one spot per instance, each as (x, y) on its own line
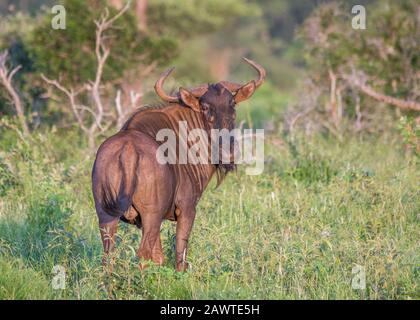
(410, 132)
(7, 179)
(18, 282)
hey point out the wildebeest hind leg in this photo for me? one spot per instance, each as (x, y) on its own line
(132, 217)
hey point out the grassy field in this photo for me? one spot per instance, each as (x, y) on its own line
(294, 232)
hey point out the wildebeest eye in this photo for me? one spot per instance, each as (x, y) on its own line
(205, 106)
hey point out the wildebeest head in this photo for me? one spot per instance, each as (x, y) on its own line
(216, 102)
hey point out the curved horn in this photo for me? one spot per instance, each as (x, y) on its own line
(233, 87)
(261, 72)
(159, 87)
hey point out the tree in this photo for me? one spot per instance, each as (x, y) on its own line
(70, 54)
(356, 69)
(100, 120)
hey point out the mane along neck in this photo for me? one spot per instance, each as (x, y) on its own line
(150, 120)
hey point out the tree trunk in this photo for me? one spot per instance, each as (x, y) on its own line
(141, 12)
(17, 102)
(91, 142)
(368, 90)
(20, 113)
(401, 104)
(333, 98)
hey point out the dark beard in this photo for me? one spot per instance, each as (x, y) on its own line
(227, 167)
(222, 170)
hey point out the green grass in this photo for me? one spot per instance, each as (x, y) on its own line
(294, 232)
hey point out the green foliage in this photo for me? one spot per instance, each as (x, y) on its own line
(69, 54)
(57, 55)
(340, 59)
(15, 28)
(195, 17)
(7, 179)
(19, 282)
(321, 206)
(14, 32)
(26, 6)
(410, 132)
(387, 50)
(294, 232)
(311, 168)
(265, 107)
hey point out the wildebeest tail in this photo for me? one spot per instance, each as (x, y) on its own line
(117, 199)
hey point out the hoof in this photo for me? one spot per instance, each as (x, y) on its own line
(144, 265)
(182, 266)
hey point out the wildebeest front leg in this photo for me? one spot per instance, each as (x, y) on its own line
(108, 232)
(150, 247)
(185, 221)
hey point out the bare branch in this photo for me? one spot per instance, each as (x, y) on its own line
(297, 116)
(56, 84)
(148, 69)
(134, 98)
(108, 23)
(359, 80)
(105, 128)
(13, 72)
(6, 79)
(102, 53)
(3, 59)
(89, 110)
(71, 95)
(402, 104)
(123, 112)
(118, 104)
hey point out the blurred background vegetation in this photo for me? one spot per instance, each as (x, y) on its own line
(307, 47)
(341, 112)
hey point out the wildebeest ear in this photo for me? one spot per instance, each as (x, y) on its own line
(245, 92)
(189, 99)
